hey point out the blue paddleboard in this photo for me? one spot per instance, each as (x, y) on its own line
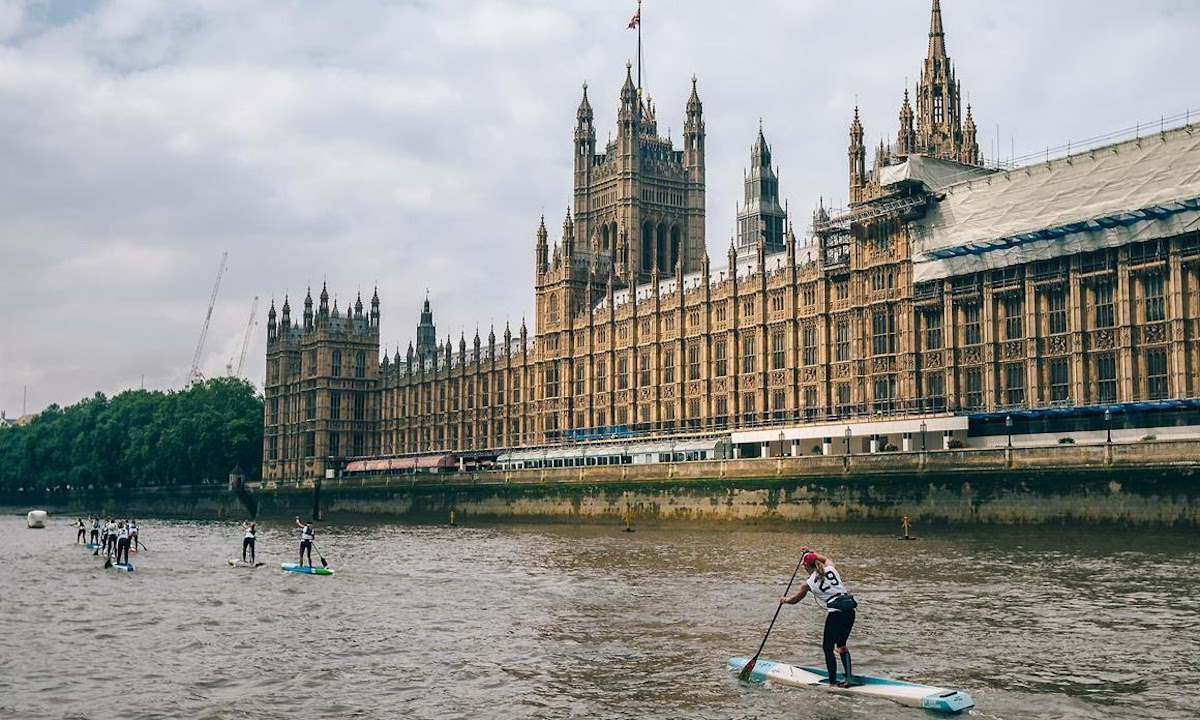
(306, 569)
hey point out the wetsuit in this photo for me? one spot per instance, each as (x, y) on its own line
(838, 623)
(306, 540)
(248, 544)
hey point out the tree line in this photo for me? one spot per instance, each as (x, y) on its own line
(138, 438)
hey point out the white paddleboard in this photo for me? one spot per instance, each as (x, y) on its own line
(233, 562)
(911, 694)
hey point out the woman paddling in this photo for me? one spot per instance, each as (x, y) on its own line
(825, 583)
(248, 540)
(306, 540)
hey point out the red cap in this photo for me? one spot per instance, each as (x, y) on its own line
(809, 558)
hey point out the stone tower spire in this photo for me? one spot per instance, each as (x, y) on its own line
(858, 160)
(939, 105)
(761, 218)
(426, 333)
(969, 154)
(937, 36)
(543, 250)
(906, 138)
(585, 141)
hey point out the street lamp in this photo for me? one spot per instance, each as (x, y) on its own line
(1108, 426)
(1008, 426)
(847, 440)
(924, 427)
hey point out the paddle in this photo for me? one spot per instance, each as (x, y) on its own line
(139, 542)
(320, 557)
(745, 673)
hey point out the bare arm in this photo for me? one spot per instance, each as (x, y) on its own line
(298, 523)
(793, 599)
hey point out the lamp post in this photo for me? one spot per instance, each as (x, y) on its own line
(847, 441)
(1108, 426)
(1008, 427)
(924, 427)
(780, 443)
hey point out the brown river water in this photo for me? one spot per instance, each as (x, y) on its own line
(553, 621)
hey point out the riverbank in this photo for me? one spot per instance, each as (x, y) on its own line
(1138, 484)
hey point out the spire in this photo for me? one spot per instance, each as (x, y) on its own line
(542, 252)
(584, 113)
(630, 107)
(760, 154)
(906, 138)
(426, 332)
(937, 36)
(358, 306)
(694, 107)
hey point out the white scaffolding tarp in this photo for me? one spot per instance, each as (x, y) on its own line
(1129, 192)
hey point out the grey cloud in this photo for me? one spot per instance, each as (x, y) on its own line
(414, 145)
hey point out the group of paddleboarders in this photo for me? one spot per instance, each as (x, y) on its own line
(250, 534)
(825, 584)
(115, 538)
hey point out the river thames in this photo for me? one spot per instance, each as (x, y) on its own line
(553, 621)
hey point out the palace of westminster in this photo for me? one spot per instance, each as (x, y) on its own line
(946, 287)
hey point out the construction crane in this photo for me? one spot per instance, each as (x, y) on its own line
(245, 343)
(194, 374)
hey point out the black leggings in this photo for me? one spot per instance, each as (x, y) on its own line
(306, 546)
(837, 631)
(248, 543)
(123, 549)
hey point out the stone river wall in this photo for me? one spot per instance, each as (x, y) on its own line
(1148, 483)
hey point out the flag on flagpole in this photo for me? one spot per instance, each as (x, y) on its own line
(636, 19)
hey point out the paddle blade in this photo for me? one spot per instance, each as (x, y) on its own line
(322, 559)
(745, 673)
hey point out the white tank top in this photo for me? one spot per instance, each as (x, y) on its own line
(307, 534)
(122, 533)
(250, 533)
(826, 586)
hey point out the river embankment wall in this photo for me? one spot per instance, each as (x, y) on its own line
(1146, 483)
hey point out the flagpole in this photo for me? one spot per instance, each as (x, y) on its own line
(639, 29)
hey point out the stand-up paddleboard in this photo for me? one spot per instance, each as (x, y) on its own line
(120, 566)
(237, 563)
(910, 694)
(307, 569)
(90, 546)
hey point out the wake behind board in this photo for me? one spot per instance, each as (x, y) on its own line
(910, 694)
(234, 562)
(306, 569)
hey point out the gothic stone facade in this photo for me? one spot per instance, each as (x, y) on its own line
(635, 329)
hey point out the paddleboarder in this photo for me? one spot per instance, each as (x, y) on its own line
(122, 536)
(96, 531)
(825, 584)
(306, 540)
(133, 535)
(81, 532)
(248, 540)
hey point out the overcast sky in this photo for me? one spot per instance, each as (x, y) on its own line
(413, 145)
